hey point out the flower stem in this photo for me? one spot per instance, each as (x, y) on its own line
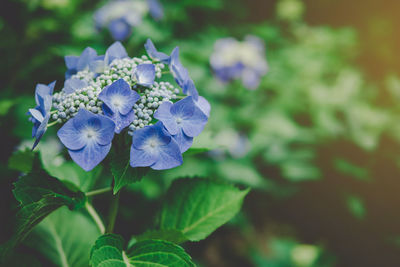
(165, 72)
(98, 191)
(95, 217)
(52, 123)
(113, 213)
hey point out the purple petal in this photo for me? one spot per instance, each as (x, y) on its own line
(169, 157)
(179, 72)
(190, 89)
(71, 61)
(145, 74)
(155, 9)
(90, 156)
(85, 58)
(184, 142)
(121, 121)
(154, 54)
(195, 124)
(41, 130)
(70, 136)
(140, 158)
(204, 106)
(140, 136)
(73, 84)
(116, 50)
(163, 113)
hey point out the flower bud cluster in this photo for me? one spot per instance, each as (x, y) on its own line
(67, 105)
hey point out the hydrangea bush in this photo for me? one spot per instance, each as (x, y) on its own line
(121, 16)
(140, 113)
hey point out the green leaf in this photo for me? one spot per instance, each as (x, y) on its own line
(170, 235)
(40, 194)
(108, 251)
(123, 172)
(197, 207)
(22, 160)
(65, 244)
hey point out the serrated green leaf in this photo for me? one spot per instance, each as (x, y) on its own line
(108, 251)
(22, 160)
(197, 207)
(155, 253)
(40, 194)
(65, 244)
(124, 174)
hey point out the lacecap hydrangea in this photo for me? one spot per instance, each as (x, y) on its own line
(120, 16)
(244, 60)
(110, 94)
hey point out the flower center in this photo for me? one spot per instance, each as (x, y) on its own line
(178, 120)
(90, 133)
(117, 101)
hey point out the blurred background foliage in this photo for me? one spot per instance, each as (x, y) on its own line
(318, 140)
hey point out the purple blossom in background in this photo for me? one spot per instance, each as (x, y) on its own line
(88, 138)
(40, 115)
(144, 74)
(118, 101)
(120, 16)
(183, 120)
(240, 60)
(153, 147)
(79, 63)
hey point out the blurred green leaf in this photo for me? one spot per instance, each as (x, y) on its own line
(65, 244)
(21, 160)
(197, 207)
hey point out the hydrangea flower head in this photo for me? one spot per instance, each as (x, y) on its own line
(88, 138)
(120, 16)
(117, 94)
(153, 147)
(244, 60)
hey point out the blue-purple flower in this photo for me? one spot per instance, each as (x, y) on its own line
(183, 120)
(155, 9)
(87, 137)
(154, 147)
(154, 54)
(79, 63)
(144, 74)
(40, 115)
(118, 101)
(240, 60)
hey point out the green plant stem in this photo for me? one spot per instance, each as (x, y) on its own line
(95, 217)
(51, 124)
(98, 191)
(113, 213)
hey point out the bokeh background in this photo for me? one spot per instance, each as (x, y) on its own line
(318, 140)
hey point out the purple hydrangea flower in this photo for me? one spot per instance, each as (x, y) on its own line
(190, 90)
(118, 101)
(145, 74)
(87, 137)
(155, 9)
(153, 147)
(40, 115)
(78, 63)
(119, 29)
(114, 51)
(183, 120)
(73, 84)
(154, 54)
(240, 60)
